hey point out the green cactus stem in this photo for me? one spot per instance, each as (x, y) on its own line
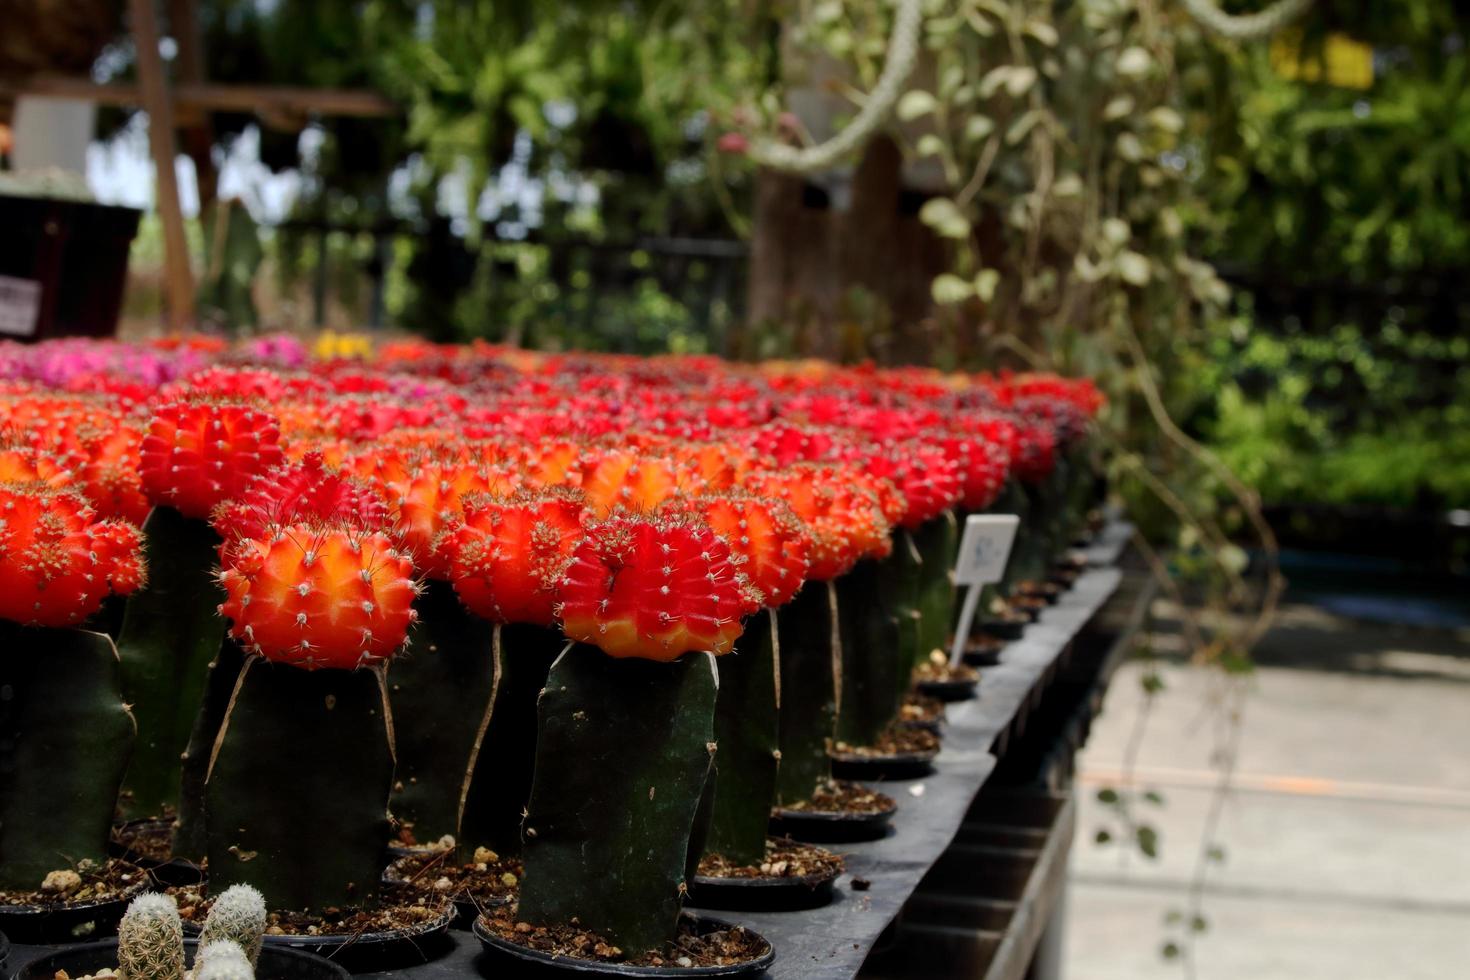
(747, 730)
(504, 762)
(878, 627)
(296, 800)
(150, 940)
(810, 649)
(224, 671)
(623, 752)
(440, 689)
(171, 631)
(937, 542)
(65, 737)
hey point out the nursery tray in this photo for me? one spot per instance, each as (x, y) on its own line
(833, 941)
(275, 963)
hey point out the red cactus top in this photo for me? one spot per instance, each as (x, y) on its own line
(654, 587)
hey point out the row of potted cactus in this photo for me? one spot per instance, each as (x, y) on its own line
(572, 625)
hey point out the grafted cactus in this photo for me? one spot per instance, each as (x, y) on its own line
(237, 917)
(150, 940)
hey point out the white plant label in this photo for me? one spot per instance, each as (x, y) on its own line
(20, 306)
(985, 548)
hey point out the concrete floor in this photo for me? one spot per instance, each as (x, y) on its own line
(1348, 834)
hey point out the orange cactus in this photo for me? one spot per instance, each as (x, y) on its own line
(57, 561)
(200, 452)
(319, 595)
(428, 501)
(509, 554)
(763, 532)
(840, 509)
(627, 479)
(655, 588)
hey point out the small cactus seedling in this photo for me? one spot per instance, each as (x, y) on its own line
(237, 916)
(625, 742)
(330, 599)
(150, 940)
(222, 960)
(65, 732)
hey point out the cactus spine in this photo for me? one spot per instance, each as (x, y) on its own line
(150, 940)
(238, 916)
(222, 960)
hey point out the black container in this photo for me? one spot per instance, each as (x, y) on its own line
(509, 960)
(776, 894)
(877, 768)
(371, 952)
(815, 827)
(979, 655)
(466, 908)
(274, 964)
(77, 252)
(1005, 629)
(173, 873)
(948, 691)
(4, 952)
(35, 925)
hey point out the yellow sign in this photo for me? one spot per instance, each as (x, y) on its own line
(1340, 61)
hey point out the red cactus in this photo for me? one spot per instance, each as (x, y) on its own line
(199, 452)
(295, 492)
(509, 554)
(654, 587)
(763, 532)
(57, 561)
(319, 595)
(926, 477)
(838, 507)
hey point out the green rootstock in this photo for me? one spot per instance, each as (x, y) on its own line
(747, 730)
(440, 690)
(505, 761)
(811, 680)
(296, 802)
(171, 631)
(65, 736)
(937, 542)
(623, 752)
(224, 671)
(878, 627)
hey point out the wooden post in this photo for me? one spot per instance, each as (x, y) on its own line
(153, 87)
(195, 130)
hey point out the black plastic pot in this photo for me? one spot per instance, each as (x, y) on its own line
(1047, 592)
(371, 952)
(981, 655)
(77, 253)
(775, 894)
(4, 952)
(466, 908)
(50, 925)
(173, 873)
(949, 691)
(518, 961)
(877, 768)
(1005, 629)
(816, 827)
(274, 964)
